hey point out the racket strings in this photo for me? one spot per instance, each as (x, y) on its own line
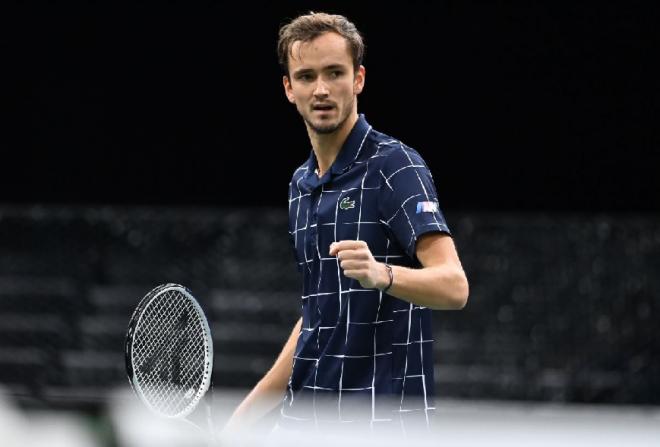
(170, 354)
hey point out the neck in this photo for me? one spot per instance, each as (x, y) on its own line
(327, 146)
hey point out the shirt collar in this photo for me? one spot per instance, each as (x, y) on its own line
(348, 153)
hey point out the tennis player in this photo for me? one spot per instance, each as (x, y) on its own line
(372, 246)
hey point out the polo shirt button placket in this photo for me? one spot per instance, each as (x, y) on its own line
(314, 222)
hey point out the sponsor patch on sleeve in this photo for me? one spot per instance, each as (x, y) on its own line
(427, 207)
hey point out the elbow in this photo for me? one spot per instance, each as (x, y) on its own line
(463, 291)
(457, 296)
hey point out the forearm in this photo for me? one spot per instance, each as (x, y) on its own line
(268, 392)
(438, 287)
(439, 284)
(277, 377)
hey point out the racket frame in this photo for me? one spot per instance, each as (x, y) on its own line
(133, 325)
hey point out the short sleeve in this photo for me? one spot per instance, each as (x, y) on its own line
(408, 200)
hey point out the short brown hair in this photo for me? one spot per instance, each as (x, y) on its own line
(308, 27)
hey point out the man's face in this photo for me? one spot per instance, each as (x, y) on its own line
(322, 83)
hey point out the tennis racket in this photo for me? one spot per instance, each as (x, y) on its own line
(169, 355)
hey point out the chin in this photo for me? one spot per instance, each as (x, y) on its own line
(323, 128)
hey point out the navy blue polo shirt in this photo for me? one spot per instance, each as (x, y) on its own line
(362, 355)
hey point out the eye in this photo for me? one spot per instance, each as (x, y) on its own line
(305, 77)
(334, 74)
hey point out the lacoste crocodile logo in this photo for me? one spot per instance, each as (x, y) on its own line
(347, 203)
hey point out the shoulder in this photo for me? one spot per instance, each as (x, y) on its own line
(298, 173)
(392, 154)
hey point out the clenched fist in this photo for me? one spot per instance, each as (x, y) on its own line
(357, 262)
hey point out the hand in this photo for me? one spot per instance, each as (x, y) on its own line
(357, 262)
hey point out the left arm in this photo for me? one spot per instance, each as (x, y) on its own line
(440, 283)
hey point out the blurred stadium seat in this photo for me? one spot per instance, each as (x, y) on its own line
(562, 307)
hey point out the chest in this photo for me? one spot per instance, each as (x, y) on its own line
(345, 208)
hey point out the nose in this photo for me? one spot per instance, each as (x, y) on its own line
(321, 89)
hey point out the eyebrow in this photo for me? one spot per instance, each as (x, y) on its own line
(302, 71)
(334, 67)
(326, 68)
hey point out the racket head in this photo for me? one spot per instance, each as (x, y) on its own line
(169, 351)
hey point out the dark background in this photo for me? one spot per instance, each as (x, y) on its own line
(153, 143)
(515, 106)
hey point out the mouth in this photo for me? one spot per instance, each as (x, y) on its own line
(322, 107)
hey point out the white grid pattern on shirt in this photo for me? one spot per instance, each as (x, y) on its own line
(320, 259)
(421, 183)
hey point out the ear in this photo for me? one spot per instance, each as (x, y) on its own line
(287, 89)
(358, 81)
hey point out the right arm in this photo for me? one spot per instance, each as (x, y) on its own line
(268, 392)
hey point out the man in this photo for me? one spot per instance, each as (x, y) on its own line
(371, 244)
